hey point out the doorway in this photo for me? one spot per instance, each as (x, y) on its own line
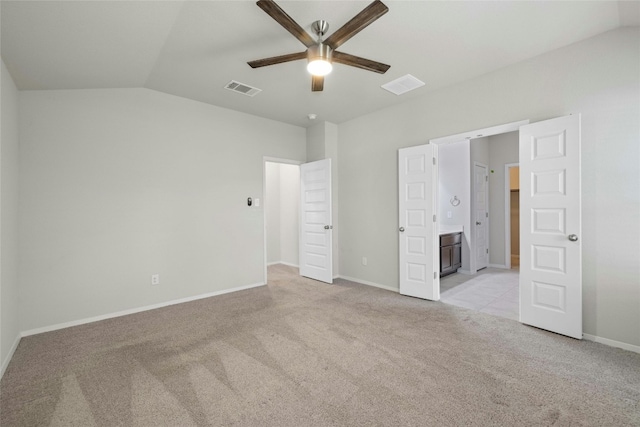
(485, 283)
(281, 212)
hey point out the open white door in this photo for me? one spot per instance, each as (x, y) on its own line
(481, 214)
(418, 238)
(316, 259)
(550, 226)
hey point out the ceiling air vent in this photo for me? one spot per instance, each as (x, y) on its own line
(402, 85)
(242, 88)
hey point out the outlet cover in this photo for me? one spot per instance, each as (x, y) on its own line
(155, 279)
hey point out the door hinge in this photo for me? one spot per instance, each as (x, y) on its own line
(434, 160)
(434, 218)
(434, 275)
(487, 250)
(486, 214)
(486, 177)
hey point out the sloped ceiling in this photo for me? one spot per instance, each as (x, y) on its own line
(193, 48)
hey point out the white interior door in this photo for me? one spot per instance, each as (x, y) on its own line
(418, 239)
(316, 259)
(481, 214)
(550, 226)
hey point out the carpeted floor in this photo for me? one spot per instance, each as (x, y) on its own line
(302, 353)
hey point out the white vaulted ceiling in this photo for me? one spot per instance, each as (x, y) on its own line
(193, 48)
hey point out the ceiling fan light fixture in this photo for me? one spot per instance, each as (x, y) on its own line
(319, 57)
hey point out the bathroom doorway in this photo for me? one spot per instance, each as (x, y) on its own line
(494, 289)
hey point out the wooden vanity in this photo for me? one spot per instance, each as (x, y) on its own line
(450, 253)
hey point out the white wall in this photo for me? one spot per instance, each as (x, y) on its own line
(289, 213)
(454, 179)
(600, 78)
(282, 202)
(503, 149)
(9, 320)
(119, 184)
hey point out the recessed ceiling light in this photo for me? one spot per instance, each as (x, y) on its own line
(403, 84)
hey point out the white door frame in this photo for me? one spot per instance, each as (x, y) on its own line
(474, 265)
(507, 213)
(266, 159)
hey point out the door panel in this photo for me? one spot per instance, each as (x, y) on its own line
(550, 206)
(316, 260)
(417, 237)
(481, 219)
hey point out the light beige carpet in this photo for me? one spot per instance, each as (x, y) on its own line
(302, 353)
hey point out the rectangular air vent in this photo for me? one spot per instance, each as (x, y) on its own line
(402, 85)
(242, 88)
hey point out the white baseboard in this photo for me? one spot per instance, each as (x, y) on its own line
(612, 343)
(7, 359)
(365, 282)
(135, 310)
(502, 266)
(289, 264)
(283, 263)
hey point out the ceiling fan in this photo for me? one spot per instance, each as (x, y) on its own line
(320, 54)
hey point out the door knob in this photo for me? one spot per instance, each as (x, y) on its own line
(478, 223)
(328, 227)
(401, 229)
(573, 237)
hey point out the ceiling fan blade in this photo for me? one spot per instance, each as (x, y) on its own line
(317, 83)
(356, 61)
(281, 17)
(368, 15)
(277, 59)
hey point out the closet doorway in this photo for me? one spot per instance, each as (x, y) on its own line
(281, 212)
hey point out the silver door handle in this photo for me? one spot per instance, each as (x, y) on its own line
(478, 223)
(573, 237)
(401, 229)
(328, 227)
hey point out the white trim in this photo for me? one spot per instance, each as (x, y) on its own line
(612, 343)
(365, 282)
(5, 362)
(499, 266)
(289, 264)
(283, 263)
(490, 131)
(135, 310)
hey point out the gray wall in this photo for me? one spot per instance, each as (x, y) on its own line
(9, 321)
(599, 78)
(503, 149)
(119, 184)
(272, 206)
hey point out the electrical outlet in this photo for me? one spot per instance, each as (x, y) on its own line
(155, 279)
(364, 260)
